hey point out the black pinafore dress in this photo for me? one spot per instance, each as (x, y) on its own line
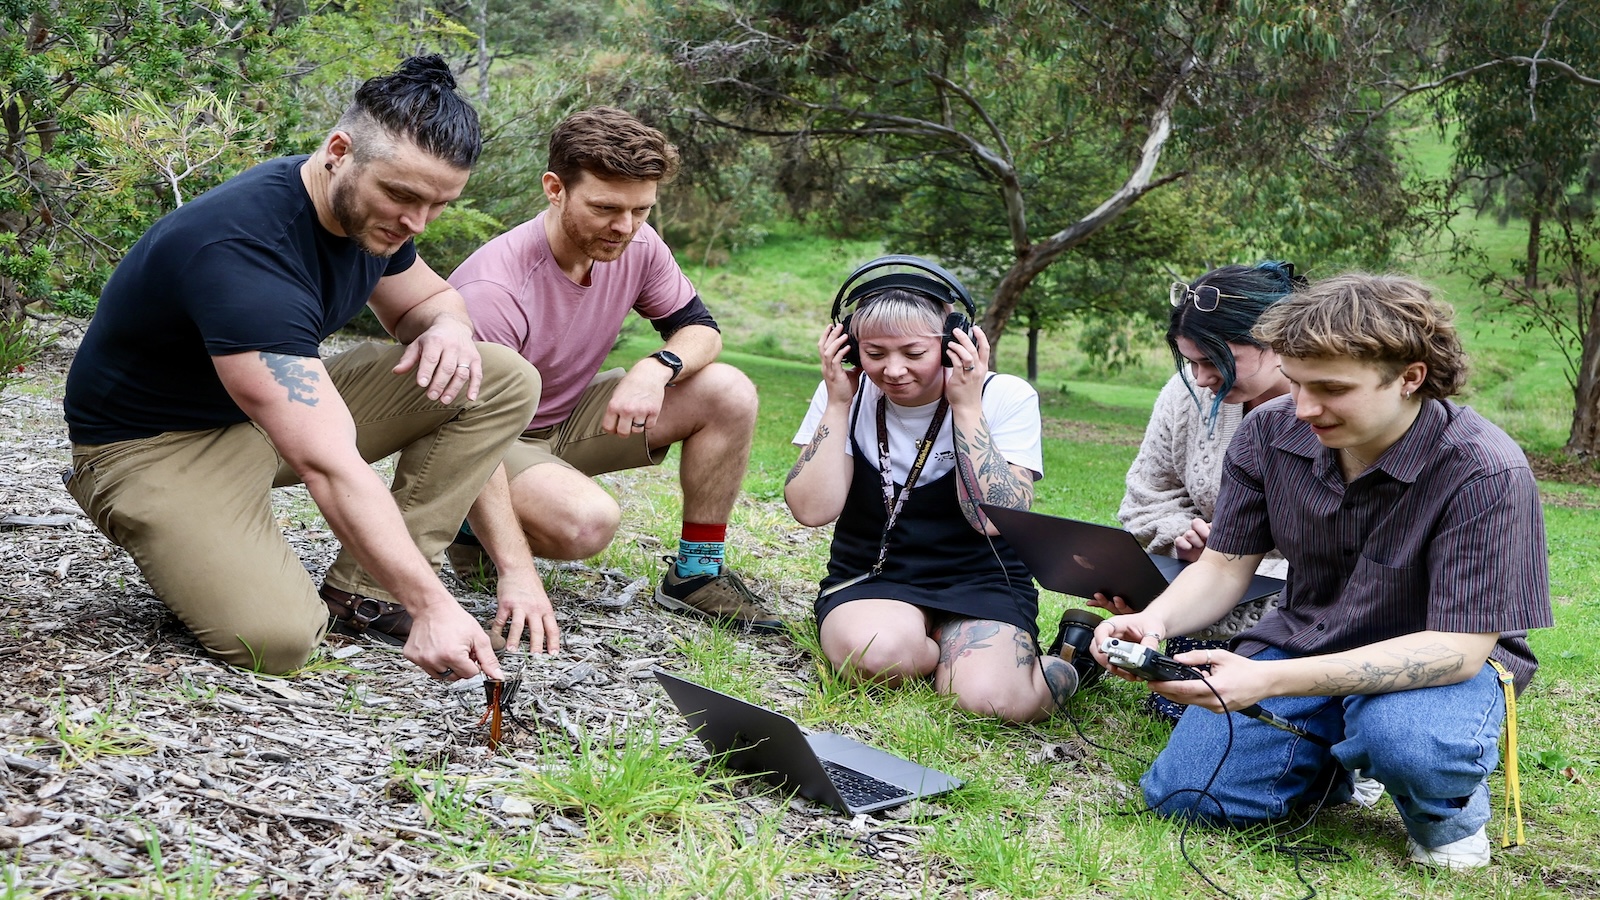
(936, 560)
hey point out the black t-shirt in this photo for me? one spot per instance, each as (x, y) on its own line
(245, 266)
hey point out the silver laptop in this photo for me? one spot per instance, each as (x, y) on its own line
(1082, 558)
(843, 773)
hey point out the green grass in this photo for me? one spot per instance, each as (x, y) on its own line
(1029, 823)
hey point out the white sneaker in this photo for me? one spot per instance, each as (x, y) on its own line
(1366, 791)
(1471, 852)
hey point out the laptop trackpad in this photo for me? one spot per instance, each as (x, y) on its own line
(879, 764)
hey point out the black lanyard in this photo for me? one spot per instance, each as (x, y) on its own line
(895, 499)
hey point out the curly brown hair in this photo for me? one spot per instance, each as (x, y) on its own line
(1390, 320)
(610, 143)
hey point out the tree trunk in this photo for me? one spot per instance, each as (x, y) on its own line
(1033, 354)
(1530, 278)
(1584, 439)
(480, 17)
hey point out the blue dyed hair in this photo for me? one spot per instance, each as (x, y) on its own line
(1249, 291)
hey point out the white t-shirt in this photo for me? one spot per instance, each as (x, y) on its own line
(1010, 406)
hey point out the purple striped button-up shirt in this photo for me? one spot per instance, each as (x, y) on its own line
(1443, 533)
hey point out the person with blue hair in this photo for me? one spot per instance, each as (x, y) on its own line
(1223, 373)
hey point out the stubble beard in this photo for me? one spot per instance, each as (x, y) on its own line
(593, 247)
(341, 197)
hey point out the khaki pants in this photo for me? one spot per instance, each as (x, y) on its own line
(194, 509)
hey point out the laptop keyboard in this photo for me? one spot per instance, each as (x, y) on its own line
(859, 789)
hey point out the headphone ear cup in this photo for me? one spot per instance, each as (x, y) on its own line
(852, 356)
(953, 323)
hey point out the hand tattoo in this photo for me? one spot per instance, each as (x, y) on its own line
(292, 373)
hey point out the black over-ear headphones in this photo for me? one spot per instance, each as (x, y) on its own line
(943, 288)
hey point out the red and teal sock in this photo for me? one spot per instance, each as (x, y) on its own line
(700, 549)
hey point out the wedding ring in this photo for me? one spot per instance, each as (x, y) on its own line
(1208, 656)
(464, 366)
(1156, 635)
(966, 368)
(638, 424)
(446, 674)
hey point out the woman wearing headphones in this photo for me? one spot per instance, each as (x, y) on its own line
(919, 584)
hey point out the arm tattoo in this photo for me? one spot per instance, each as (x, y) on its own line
(292, 373)
(987, 477)
(1422, 667)
(807, 453)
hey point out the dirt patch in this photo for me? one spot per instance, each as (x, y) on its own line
(1563, 468)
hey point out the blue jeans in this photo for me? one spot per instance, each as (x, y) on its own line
(1432, 748)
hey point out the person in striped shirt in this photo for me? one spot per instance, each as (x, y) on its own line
(1416, 546)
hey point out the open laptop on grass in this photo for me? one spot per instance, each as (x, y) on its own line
(1082, 558)
(841, 772)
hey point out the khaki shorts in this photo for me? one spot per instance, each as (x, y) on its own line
(580, 443)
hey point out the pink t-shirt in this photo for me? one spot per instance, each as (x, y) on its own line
(518, 296)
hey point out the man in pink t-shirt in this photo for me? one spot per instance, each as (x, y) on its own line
(557, 289)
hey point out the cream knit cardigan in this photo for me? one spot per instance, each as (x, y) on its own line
(1175, 479)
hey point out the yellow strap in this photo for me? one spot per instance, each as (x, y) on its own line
(1508, 752)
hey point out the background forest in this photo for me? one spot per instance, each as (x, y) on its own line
(1061, 156)
(1067, 158)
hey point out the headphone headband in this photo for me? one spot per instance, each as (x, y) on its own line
(943, 286)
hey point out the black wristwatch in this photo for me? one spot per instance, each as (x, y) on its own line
(670, 360)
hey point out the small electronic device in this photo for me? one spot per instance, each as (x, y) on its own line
(1152, 665)
(1146, 662)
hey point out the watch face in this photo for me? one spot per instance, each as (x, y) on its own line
(670, 360)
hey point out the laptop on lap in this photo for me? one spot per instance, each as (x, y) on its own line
(832, 769)
(1082, 558)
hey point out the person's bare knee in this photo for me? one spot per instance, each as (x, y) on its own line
(719, 397)
(564, 514)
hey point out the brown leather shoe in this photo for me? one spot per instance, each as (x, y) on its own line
(360, 616)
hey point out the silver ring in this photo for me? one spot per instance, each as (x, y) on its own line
(1154, 634)
(464, 366)
(446, 674)
(966, 368)
(1208, 656)
(638, 424)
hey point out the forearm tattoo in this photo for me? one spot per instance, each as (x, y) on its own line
(292, 373)
(807, 453)
(987, 477)
(1419, 668)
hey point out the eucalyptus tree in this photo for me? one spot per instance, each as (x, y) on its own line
(1135, 95)
(1521, 90)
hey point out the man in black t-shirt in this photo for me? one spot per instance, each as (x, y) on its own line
(198, 388)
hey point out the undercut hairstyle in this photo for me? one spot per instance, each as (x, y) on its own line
(1389, 320)
(1247, 291)
(418, 103)
(896, 312)
(610, 143)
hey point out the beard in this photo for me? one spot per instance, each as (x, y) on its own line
(341, 197)
(592, 246)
